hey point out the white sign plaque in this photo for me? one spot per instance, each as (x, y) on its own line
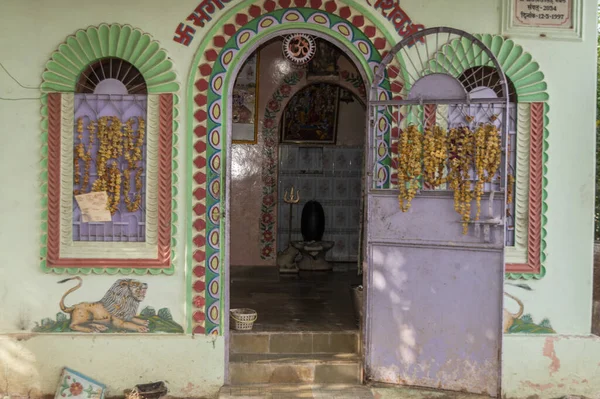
(543, 13)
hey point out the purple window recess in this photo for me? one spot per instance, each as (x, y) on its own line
(125, 226)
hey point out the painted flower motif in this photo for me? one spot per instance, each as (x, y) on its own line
(270, 142)
(269, 123)
(199, 301)
(267, 250)
(269, 180)
(344, 74)
(268, 200)
(273, 105)
(285, 90)
(76, 389)
(268, 236)
(267, 218)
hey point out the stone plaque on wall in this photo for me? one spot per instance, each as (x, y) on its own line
(553, 19)
(542, 13)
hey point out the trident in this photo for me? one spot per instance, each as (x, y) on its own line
(291, 199)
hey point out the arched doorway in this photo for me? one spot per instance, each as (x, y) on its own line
(308, 308)
(210, 175)
(211, 85)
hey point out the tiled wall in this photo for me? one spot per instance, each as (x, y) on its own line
(331, 176)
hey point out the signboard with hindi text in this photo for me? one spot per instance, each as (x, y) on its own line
(553, 19)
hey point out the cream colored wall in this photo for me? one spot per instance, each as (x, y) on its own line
(30, 30)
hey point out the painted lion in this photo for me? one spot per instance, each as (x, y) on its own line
(117, 308)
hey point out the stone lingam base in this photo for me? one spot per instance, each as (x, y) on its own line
(286, 260)
(313, 255)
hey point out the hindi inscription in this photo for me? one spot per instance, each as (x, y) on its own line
(543, 13)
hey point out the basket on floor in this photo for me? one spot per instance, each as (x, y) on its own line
(243, 318)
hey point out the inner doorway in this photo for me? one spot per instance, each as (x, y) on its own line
(300, 127)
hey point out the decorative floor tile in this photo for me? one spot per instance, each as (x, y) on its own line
(75, 385)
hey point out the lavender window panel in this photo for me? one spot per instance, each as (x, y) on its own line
(125, 226)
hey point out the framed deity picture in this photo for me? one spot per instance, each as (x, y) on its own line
(245, 103)
(325, 61)
(311, 115)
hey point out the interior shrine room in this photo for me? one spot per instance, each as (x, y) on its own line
(298, 164)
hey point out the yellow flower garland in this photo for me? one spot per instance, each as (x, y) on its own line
(468, 155)
(115, 140)
(410, 148)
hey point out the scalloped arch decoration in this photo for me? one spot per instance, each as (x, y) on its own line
(518, 65)
(60, 77)
(122, 41)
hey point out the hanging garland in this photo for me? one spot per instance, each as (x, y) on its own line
(409, 168)
(435, 151)
(117, 144)
(471, 158)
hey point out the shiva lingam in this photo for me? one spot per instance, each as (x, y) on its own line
(313, 249)
(286, 260)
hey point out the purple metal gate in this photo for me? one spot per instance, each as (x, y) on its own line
(434, 295)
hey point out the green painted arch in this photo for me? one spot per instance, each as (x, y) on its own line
(97, 42)
(517, 64)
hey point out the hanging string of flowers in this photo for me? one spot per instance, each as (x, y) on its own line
(461, 150)
(409, 168)
(116, 144)
(435, 151)
(464, 159)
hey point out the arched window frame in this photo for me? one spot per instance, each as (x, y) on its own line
(59, 252)
(525, 259)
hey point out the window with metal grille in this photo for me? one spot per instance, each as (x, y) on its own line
(109, 147)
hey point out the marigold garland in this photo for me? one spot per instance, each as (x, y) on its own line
(116, 145)
(462, 151)
(488, 156)
(435, 153)
(469, 156)
(509, 190)
(410, 148)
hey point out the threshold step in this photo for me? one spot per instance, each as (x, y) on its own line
(257, 358)
(294, 342)
(305, 391)
(295, 369)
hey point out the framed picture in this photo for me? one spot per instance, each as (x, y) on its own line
(311, 115)
(245, 103)
(325, 61)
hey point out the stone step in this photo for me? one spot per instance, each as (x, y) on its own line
(291, 342)
(343, 368)
(273, 391)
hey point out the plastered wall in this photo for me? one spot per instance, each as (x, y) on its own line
(30, 30)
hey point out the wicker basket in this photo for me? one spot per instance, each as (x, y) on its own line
(243, 318)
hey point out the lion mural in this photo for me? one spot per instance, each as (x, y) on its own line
(117, 308)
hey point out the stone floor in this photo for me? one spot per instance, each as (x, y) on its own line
(309, 301)
(297, 391)
(339, 392)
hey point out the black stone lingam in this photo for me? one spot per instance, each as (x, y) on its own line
(312, 223)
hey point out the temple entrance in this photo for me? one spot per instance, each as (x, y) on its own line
(296, 211)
